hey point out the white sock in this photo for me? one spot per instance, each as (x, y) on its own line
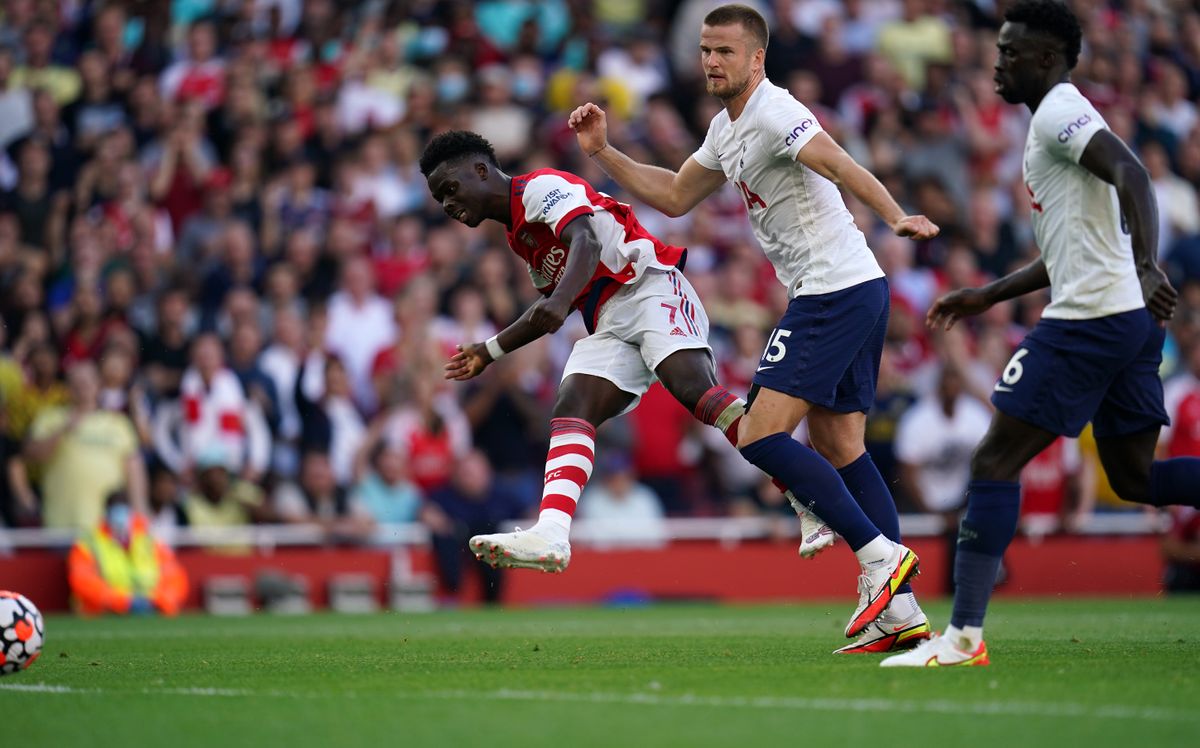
(967, 638)
(973, 635)
(556, 529)
(876, 552)
(902, 608)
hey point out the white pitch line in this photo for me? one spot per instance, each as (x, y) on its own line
(991, 708)
(194, 691)
(43, 688)
(1062, 710)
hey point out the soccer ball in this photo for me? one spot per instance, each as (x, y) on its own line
(21, 632)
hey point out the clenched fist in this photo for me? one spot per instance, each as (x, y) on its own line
(591, 128)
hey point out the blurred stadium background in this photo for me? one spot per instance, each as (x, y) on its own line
(217, 203)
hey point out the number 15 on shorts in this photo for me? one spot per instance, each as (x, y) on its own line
(776, 348)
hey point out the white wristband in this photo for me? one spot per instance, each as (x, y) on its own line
(493, 347)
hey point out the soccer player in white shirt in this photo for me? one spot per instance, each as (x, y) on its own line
(1096, 351)
(822, 360)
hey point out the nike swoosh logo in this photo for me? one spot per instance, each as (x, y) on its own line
(763, 368)
(1002, 388)
(898, 628)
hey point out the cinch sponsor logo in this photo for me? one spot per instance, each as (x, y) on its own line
(1073, 128)
(551, 199)
(791, 138)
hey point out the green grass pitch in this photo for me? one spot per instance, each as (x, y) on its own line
(1064, 674)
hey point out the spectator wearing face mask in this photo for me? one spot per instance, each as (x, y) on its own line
(118, 567)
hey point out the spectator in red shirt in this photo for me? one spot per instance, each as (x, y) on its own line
(1182, 399)
(1051, 499)
(90, 330)
(660, 425)
(200, 77)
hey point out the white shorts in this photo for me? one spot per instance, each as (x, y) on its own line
(638, 328)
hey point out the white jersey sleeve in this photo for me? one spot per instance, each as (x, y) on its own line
(552, 200)
(1065, 125)
(707, 154)
(787, 127)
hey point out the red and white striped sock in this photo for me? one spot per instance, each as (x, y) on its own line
(568, 467)
(723, 410)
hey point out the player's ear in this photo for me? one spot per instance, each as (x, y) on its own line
(1049, 57)
(482, 170)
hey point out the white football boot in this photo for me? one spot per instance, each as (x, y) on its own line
(521, 550)
(815, 535)
(877, 587)
(902, 626)
(941, 651)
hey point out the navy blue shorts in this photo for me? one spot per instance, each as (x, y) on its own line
(826, 348)
(1069, 372)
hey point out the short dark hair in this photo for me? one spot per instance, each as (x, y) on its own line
(749, 18)
(1050, 17)
(455, 144)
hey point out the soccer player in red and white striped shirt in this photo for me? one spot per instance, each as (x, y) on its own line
(584, 250)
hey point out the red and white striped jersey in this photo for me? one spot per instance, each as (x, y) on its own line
(544, 201)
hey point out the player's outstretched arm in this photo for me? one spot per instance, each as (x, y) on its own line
(823, 155)
(967, 302)
(473, 358)
(1110, 159)
(669, 192)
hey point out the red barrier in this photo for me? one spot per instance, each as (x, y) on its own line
(708, 570)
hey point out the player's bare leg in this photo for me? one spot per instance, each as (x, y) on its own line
(1136, 476)
(584, 402)
(1128, 461)
(691, 378)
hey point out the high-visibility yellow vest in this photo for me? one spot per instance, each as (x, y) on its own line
(132, 571)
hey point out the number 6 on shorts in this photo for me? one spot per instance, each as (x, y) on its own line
(1014, 370)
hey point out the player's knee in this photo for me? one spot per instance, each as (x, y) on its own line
(838, 453)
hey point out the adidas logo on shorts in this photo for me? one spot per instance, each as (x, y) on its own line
(677, 331)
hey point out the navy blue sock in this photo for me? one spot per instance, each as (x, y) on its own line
(870, 490)
(814, 482)
(985, 532)
(1175, 481)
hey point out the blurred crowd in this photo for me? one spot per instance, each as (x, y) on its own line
(225, 290)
